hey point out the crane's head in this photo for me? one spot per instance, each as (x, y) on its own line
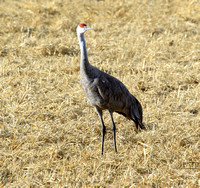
(82, 28)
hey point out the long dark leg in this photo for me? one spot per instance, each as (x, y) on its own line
(113, 129)
(136, 124)
(99, 112)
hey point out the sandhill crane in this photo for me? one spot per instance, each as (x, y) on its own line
(105, 92)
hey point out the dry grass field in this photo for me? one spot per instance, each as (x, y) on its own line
(50, 136)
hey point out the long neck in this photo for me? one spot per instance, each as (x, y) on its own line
(84, 65)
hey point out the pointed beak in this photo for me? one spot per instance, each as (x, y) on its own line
(87, 28)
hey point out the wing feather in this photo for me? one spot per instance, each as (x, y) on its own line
(113, 91)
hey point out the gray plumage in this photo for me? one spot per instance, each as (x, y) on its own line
(106, 92)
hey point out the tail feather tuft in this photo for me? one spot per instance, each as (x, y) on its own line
(142, 125)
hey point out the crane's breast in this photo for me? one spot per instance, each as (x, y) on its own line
(92, 93)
